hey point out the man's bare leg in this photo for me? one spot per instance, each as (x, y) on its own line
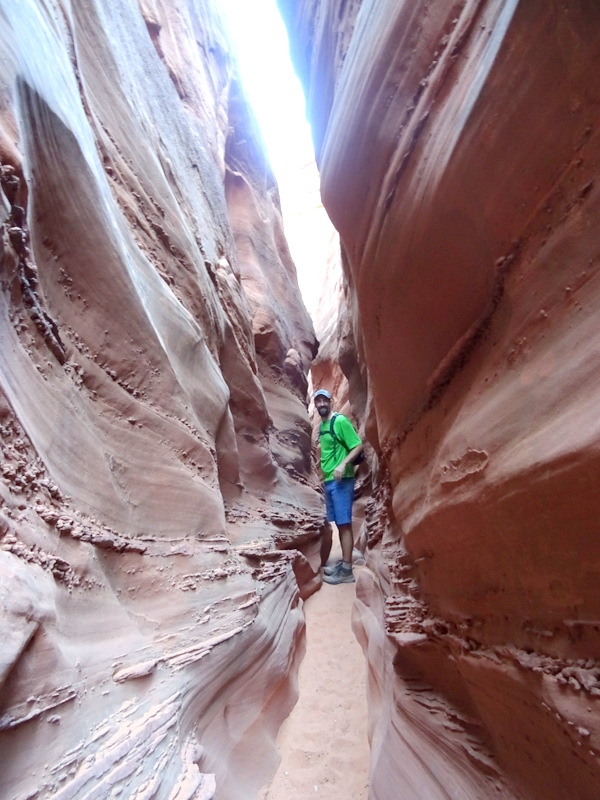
(325, 543)
(346, 541)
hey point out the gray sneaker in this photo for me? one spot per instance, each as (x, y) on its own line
(329, 570)
(341, 575)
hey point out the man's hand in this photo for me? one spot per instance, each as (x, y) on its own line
(338, 472)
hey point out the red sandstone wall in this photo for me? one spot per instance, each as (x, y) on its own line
(155, 440)
(460, 156)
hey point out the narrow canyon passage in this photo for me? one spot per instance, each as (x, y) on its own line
(323, 743)
(160, 507)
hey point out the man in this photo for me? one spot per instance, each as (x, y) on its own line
(340, 445)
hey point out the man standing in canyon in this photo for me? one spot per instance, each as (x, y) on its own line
(340, 445)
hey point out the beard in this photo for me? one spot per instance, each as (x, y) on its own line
(323, 411)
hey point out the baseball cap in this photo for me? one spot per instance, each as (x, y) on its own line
(323, 393)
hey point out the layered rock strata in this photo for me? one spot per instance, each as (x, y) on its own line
(459, 150)
(158, 524)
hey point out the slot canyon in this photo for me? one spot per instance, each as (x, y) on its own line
(161, 513)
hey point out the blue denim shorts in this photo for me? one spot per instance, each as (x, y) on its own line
(338, 500)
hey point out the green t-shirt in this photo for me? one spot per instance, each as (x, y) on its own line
(332, 452)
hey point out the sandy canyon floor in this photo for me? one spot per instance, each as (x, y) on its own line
(323, 743)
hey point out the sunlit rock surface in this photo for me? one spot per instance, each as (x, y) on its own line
(157, 521)
(459, 150)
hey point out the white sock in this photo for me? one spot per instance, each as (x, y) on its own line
(347, 564)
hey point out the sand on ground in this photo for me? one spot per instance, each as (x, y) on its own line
(323, 743)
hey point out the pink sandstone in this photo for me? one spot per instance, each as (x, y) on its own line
(159, 521)
(459, 152)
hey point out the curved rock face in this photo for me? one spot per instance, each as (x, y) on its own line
(459, 154)
(155, 485)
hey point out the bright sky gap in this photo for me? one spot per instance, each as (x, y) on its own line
(259, 38)
(261, 43)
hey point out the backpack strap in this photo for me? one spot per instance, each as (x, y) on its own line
(330, 430)
(333, 434)
(355, 461)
